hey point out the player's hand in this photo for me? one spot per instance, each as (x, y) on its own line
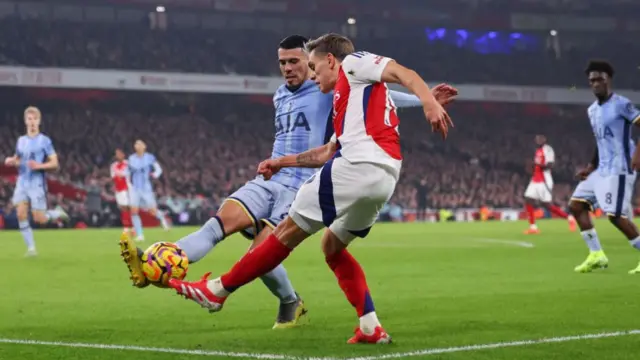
(268, 167)
(635, 162)
(444, 93)
(34, 165)
(11, 161)
(438, 118)
(583, 174)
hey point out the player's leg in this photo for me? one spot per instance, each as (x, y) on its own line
(530, 200)
(122, 200)
(582, 202)
(361, 213)
(21, 202)
(136, 201)
(614, 193)
(266, 256)
(291, 308)
(546, 199)
(240, 211)
(152, 206)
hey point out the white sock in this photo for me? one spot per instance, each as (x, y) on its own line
(369, 322)
(635, 243)
(533, 227)
(215, 286)
(53, 214)
(591, 238)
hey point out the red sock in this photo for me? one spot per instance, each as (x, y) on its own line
(557, 211)
(530, 213)
(257, 262)
(352, 281)
(125, 218)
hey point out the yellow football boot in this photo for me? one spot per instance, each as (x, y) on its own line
(595, 260)
(131, 256)
(635, 271)
(289, 315)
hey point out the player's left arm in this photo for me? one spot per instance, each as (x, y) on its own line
(632, 114)
(549, 157)
(157, 170)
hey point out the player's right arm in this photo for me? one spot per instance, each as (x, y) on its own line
(372, 68)
(13, 160)
(591, 166)
(312, 158)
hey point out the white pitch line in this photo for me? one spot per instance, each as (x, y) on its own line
(525, 244)
(160, 350)
(425, 352)
(454, 349)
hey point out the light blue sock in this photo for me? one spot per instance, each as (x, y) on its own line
(137, 224)
(279, 284)
(53, 214)
(27, 234)
(198, 244)
(635, 243)
(163, 220)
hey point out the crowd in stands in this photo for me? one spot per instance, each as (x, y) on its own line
(136, 46)
(208, 153)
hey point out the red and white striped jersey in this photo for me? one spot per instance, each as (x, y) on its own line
(544, 156)
(120, 175)
(364, 116)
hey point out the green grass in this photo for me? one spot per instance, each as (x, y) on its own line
(434, 285)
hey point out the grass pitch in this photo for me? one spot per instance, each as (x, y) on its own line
(434, 286)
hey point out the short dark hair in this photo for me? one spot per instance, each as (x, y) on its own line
(600, 66)
(335, 44)
(293, 42)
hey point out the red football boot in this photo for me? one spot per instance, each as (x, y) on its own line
(198, 292)
(379, 336)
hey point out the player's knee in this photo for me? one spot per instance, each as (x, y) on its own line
(233, 219)
(39, 217)
(615, 219)
(576, 208)
(331, 244)
(135, 211)
(289, 233)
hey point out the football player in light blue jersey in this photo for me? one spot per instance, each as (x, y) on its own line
(302, 122)
(608, 180)
(34, 156)
(142, 167)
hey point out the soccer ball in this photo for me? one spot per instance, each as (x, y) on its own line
(163, 261)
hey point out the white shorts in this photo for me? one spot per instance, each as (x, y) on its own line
(611, 193)
(122, 198)
(345, 197)
(540, 191)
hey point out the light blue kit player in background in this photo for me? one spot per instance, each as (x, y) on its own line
(142, 167)
(302, 122)
(608, 180)
(34, 156)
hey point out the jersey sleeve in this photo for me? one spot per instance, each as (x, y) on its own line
(403, 100)
(629, 112)
(365, 67)
(549, 155)
(48, 147)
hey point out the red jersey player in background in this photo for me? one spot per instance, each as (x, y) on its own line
(541, 186)
(120, 177)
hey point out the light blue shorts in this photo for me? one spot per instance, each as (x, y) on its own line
(36, 196)
(142, 199)
(265, 202)
(611, 193)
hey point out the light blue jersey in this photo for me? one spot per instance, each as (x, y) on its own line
(31, 185)
(303, 122)
(141, 168)
(611, 123)
(38, 149)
